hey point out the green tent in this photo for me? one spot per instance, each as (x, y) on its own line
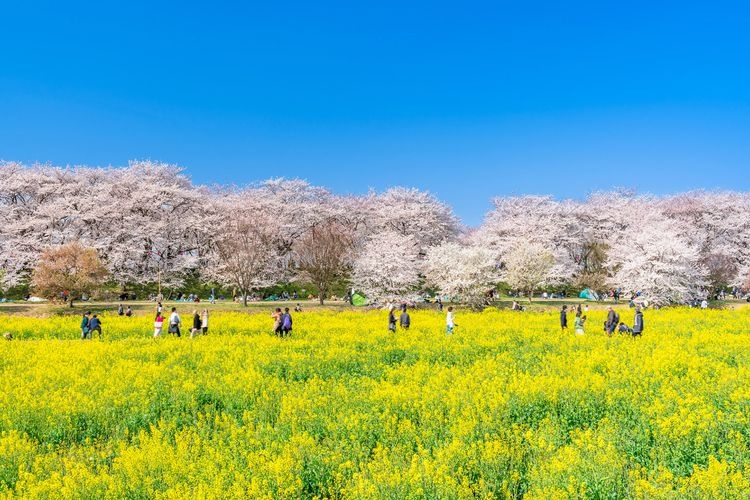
(359, 300)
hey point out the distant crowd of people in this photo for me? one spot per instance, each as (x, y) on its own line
(611, 324)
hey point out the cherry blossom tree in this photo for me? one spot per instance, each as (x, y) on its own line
(464, 273)
(411, 212)
(387, 267)
(657, 261)
(528, 266)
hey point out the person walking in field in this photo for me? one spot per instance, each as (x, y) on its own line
(450, 323)
(85, 326)
(196, 330)
(95, 325)
(613, 319)
(286, 323)
(204, 321)
(440, 305)
(404, 320)
(578, 323)
(158, 324)
(564, 318)
(277, 317)
(174, 322)
(638, 322)
(120, 310)
(391, 320)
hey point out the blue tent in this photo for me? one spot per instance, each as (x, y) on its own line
(588, 294)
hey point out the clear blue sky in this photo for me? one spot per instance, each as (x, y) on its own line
(466, 99)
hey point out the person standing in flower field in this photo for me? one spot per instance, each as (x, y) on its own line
(85, 325)
(404, 320)
(613, 319)
(450, 324)
(286, 323)
(174, 322)
(391, 320)
(564, 318)
(158, 324)
(196, 324)
(638, 322)
(120, 310)
(277, 316)
(578, 323)
(95, 324)
(204, 321)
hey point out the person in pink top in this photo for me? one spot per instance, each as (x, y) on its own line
(158, 324)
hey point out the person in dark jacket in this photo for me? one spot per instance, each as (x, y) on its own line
(196, 324)
(404, 320)
(638, 322)
(95, 324)
(613, 319)
(564, 318)
(85, 326)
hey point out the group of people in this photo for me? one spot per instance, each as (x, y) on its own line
(282, 321)
(611, 324)
(404, 320)
(200, 323)
(90, 323)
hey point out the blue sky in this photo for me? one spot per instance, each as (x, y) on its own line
(468, 100)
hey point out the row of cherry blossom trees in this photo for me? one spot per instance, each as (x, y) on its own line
(150, 224)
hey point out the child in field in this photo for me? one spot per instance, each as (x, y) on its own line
(564, 318)
(391, 320)
(578, 323)
(449, 322)
(158, 324)
(204, 321)
(623, 328)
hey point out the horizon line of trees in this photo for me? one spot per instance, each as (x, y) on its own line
(148, 223)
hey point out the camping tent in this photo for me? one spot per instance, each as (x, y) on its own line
(588, 294)
(358, 299)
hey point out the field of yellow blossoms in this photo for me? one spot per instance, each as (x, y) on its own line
(505, 407)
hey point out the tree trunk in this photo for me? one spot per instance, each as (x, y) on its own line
(531, 293)
(71, 302)
(244, 297)
(321, 295)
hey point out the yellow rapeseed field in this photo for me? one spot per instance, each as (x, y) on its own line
(505, 407)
